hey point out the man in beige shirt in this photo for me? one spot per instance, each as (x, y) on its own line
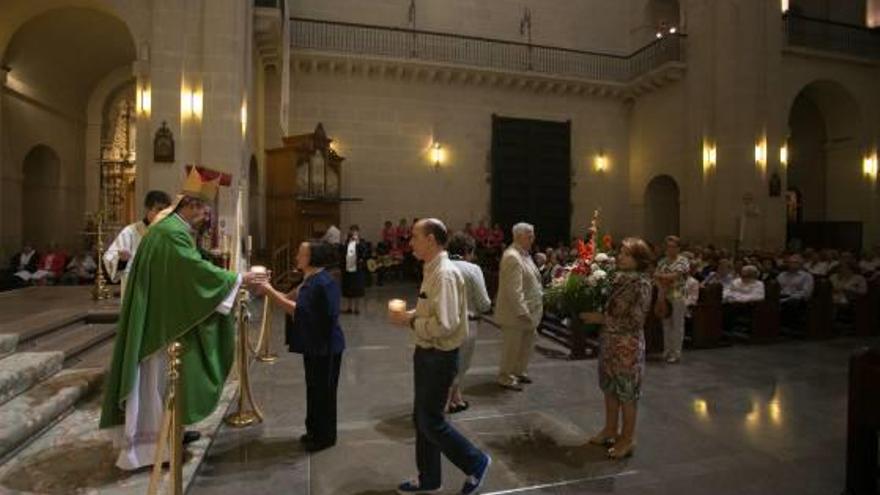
(439, 326)
(518, 307)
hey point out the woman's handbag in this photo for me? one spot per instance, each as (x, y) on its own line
(662, 310)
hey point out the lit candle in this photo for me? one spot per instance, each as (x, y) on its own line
(258, 269)
(397, 306)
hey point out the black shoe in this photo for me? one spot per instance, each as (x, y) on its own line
(316, 445)
(524, 379)
(190, 437)
(306, 438)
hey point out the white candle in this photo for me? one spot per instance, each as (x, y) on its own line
(258, 269)
(250, 244)
(397, 306)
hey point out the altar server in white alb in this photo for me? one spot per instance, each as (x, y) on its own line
(117, 258)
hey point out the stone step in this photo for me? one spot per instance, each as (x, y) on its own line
(36, 325)
(72, 340)
(97, 356)
(27, 415)
(8, 342)
(22, 370)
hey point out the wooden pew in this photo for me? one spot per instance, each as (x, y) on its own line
(820, 311)
(867, 311)
(708, 318)
(582, 341)
(863, 423)
(767, 315)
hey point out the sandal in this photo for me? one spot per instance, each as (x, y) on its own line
(602, 440)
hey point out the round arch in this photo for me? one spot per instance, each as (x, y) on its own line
(826, 144)
(41, 199)
(662, 208)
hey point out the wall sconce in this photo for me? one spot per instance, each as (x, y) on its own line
(143, 100)
(600, 163)
(710, 157)
(761, 154)
(244, 118)
(437, 155)
(869, 166)
(191, 103)
(783, 155)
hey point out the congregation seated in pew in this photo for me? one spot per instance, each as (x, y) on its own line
(847, 286)
(796, 289)
(740, 298)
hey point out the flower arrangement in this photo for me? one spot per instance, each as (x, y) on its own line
(585, 283)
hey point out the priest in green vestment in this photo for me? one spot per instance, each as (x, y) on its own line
(173, 294)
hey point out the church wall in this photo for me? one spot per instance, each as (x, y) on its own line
(26, 125)
(594, 25)
(385, 128)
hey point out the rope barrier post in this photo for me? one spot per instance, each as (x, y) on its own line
(171, 431)
(265, 355)
(247, 413)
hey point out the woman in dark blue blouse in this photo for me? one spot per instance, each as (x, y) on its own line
(313, 330)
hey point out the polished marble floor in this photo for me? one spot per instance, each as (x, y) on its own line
(738, 420)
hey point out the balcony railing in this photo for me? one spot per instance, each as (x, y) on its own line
(431, 46)
(820, 34)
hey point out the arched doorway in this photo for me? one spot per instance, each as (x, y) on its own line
(824, 167)
(662, 209)
(254, 200)
(57, 57)
(41, 198)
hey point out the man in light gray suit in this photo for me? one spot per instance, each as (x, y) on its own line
(519, 307)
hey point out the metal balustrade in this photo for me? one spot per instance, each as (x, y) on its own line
(362, 39)
(821, 34)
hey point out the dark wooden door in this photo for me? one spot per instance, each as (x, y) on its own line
(531, 176)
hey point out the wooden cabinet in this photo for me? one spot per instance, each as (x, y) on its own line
(303, 184)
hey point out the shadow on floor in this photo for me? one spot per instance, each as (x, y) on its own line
(254, 454)
(68, 468)
(486, 389)
(552, 353)
(397, 427)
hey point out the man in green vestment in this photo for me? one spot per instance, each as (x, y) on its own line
(173, 294)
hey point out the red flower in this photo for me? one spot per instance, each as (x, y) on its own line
(607, 242)
(585, 250)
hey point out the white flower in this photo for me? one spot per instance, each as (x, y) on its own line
(602, 258)
(594, 267)
(600, 275)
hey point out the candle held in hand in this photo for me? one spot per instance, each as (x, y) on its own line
(259, 269)
(397, 306)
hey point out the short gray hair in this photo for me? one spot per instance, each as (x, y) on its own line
(751, 271)
(522, 228)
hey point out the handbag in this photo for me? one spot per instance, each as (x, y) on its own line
(662, 310)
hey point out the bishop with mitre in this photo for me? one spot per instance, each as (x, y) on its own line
(172, 294)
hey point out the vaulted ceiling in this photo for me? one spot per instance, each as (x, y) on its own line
(59, 55)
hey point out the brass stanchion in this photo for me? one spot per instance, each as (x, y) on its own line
(101, 291)
(265, 355)
(243, 417)
(172, 428)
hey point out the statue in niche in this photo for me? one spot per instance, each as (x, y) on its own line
(163, 145)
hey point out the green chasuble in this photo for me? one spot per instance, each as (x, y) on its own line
(172, 294)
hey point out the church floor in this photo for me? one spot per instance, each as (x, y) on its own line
(739, 420)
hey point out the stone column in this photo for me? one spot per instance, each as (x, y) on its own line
(4, 236)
